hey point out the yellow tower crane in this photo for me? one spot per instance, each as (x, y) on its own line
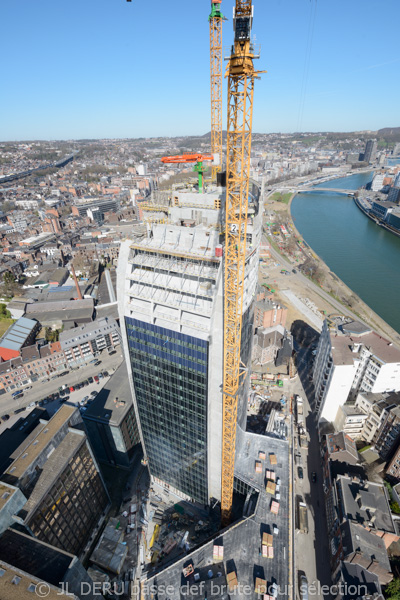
(241, 74)
(216, 18)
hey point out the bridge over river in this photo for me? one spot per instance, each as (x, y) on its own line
(307, 190)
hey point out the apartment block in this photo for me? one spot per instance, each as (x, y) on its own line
(370, 151)
(170, 293)
(81, 344)
(347, 363)
(382, 423)
(56, 471)
(350, 420)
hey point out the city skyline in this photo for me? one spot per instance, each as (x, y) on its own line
(88, 71)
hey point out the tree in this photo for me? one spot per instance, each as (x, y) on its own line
(9, 283)
(395, 508)
(52, 335)
(4, 313)
(392, 591)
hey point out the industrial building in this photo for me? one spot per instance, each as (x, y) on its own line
(170, 294)
(20, 334)
(66, 314)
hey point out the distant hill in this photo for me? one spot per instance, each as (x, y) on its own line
(390, 134)
(207, 136)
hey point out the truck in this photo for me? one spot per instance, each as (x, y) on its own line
(302, 516)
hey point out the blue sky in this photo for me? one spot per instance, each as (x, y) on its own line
(109, 68)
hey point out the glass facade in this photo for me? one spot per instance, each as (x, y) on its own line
(170, 372)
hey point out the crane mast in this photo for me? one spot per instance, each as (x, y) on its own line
(215, 19)
(241, 75)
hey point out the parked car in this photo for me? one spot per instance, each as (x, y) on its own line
(300, 472)
(97, 363)
(303, 587)
(71, 389)
(94, 393)
(90, 379)
(96, 379)
(112, 352)
(105, 373)
(5, 417)
(18, 410)
(31, 405)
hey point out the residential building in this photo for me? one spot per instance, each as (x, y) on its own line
(56, 472)
(27, 204)
(363, 528)
(333, 465)
(111, 422)
(394, 195)
(269, 343)
(350, 420)
(96, 207)
(382, 424)
(170, 294)
(30, 565)
(82, 343)
(377, 182)
(44, 361)
(353, 576)
(268, 313)
(347, 363)
(341, 447)
(13, 375)
(21, 333)
(370, 151)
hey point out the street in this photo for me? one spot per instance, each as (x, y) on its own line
(41, 389)
(312, 548)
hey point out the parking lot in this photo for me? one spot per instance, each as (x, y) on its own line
(42, 389)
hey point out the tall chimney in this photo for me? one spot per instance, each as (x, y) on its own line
(76, 283)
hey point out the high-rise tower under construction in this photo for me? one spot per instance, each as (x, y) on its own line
(170, 296)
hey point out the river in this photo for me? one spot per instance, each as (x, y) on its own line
(362, 254)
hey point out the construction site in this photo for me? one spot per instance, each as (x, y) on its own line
(217, 508)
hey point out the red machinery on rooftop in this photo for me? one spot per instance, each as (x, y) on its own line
(193, 157)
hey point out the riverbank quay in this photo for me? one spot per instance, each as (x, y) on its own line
(318, 283)
(363, 206)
